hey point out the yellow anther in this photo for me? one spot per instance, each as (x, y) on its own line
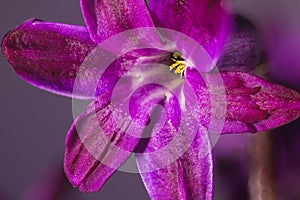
(178, 65)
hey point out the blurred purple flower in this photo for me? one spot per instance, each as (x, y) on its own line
(48, 55)
(4, 196)
(282, 45)
(50, 184)
(280, 30)
(242, 51)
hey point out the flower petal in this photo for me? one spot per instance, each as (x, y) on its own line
(48, 55)
(123, 71)
(97, 144)
(105, 18)
(164, 124)
(204, 21)
(242, 50)
(252, 104)
(189, 177)
(255, 105)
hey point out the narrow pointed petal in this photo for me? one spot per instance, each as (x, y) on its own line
(204, 21)
(256, 105)
(189, 177)
(102, 138)
(105, 18)
(252, 104)
(242, 51)
(97, 144)
(48, 55)
(175, 159)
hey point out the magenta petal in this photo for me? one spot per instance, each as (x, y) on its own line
(190, 177)
(105, 18)
(203, 20)
(251, 104)
(114, 75)
(97, 145)
(254, 104)
(48, 55)
(164, 123)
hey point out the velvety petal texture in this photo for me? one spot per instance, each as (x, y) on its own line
(203, 20)
(127, 67)
(254, 104)
(189, 177)
(105, 18)
(241, 51)
(164, 124)
(97, 144)
(48, 55)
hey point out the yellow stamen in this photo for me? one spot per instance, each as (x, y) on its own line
(178, 65)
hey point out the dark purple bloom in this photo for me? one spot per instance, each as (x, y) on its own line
(49, 56)
(242, 51)
(50, 184)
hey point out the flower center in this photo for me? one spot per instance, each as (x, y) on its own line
(178, 64)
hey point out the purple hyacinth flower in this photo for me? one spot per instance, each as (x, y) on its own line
(50, 56)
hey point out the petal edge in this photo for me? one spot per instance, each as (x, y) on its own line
(47, 54)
